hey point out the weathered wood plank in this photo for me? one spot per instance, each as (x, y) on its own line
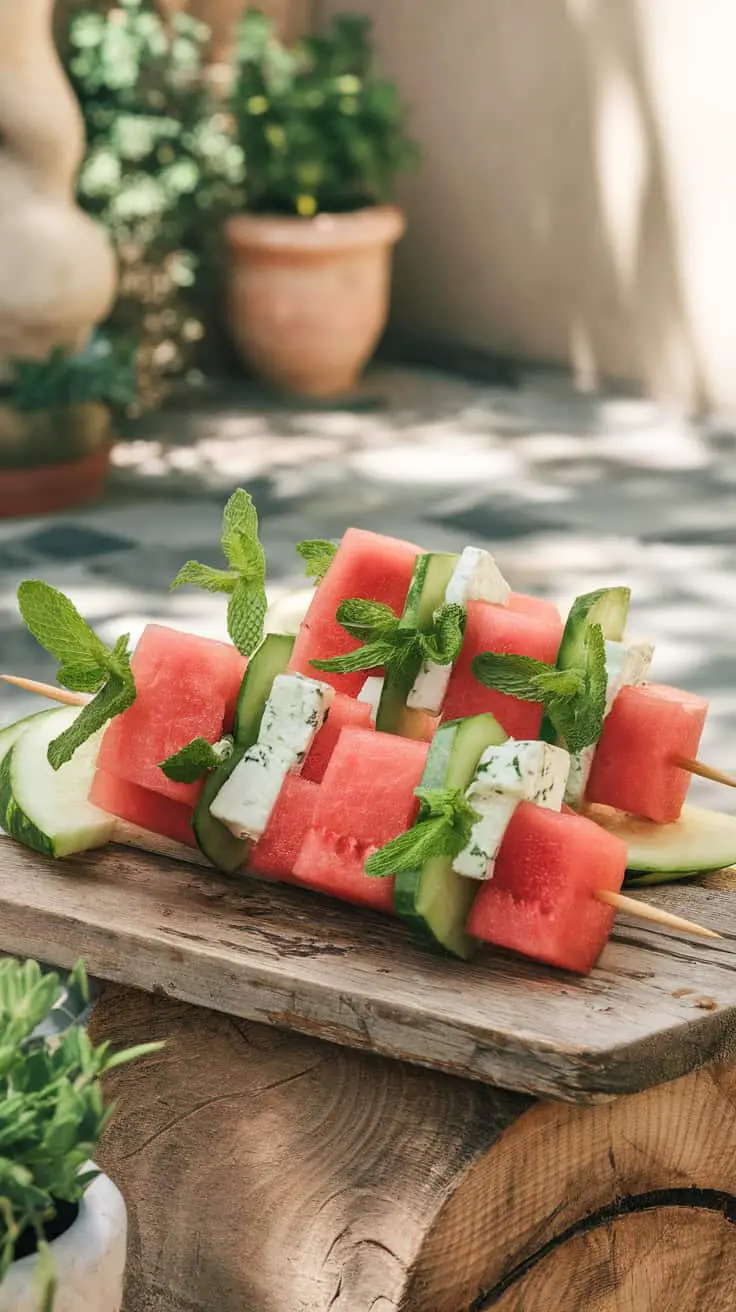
(658, 1005)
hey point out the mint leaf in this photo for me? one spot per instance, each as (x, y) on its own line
(116, 696)
(525, 678)
(317, 554)
(373, 656)
(398, 649)
(444, 643)
(245, 581)
(196, 760)
(87, 665)
(246, 613)
(365, 619)
(205, 577)
(443, 828)
(57, 625)
(583, 719)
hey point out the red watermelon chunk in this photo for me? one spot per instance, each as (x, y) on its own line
(185, 687)
(526, 627)
(366, 565)
(140, 806)
(365, 799)
(275, 853)
(540, 900)
(344, 713)
(633, 766)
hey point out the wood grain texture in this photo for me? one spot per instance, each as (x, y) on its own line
(309, 1178)
(658, 1005)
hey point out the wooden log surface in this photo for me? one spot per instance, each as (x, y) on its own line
(267, 1172)
(658, 1004)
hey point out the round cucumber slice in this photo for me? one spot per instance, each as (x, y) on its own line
(12, 732)
(699, 840)
(47, 809)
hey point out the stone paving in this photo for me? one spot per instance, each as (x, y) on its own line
(570, 491)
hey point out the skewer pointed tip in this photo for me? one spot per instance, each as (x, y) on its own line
(54, 694)
(705, 771)
(645, 911)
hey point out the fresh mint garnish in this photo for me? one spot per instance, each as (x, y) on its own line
(387, 644)
(196, 760)
(86, 664)
(443, 828)
(245, 581)
(317, 554)
(574, 699)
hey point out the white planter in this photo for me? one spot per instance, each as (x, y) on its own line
(89, 1259)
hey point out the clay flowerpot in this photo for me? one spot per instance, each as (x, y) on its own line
(89, 1259)
(308, 298)
(52, 460)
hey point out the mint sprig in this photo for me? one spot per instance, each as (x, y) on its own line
(317, 554)
(443, 828)
(86, 664)
(574, 699)
(245, 580)
(387, 644)
(196, 760)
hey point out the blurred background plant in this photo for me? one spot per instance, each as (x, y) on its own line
(161, 171)
(320, 130)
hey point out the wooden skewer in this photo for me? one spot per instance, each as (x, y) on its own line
(54, 694)
(645, 911)
(616, 900)
(705, 771)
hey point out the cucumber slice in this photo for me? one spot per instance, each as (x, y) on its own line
(435, 900)
(218, 844)
(47, 809)
(432, 573)
(12, 732)
(608, 607)
(699, 840)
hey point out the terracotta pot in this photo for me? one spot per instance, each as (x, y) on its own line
(89, 1259)
(308, 298)
(52, 460)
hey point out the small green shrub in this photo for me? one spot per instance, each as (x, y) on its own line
(52, 1109)
(105, 371)
(320, 130)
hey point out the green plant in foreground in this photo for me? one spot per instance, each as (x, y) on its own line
(320, 130)
(52, 1109)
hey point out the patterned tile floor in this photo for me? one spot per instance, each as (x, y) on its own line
(569, 491)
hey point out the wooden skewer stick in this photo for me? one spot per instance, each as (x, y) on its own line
(645, 911)
(705, 771)
(54, 694)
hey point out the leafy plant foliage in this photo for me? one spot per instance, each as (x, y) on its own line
(320, 130)
(52, 1109)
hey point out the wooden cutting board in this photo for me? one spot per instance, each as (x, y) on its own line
(658, 1005)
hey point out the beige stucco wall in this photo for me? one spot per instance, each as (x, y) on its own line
(578, 197)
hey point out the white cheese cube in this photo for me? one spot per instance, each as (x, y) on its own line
(518, 771)
(294, 713)
(476, 577)
(246, 800)
(430, 686)
(371, 693)
(627, 665)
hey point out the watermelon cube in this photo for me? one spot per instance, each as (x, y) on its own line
(185, 687)
(540, 900)
(633, 767)
(366, 565)
(526, 627)
(365, 799)
(344, 713)
(275, 853)
(140, 806)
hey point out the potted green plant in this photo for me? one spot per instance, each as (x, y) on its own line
(55, 426)
(310, 261)
(62, 1222)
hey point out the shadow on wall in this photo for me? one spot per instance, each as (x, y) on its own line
(541, 224)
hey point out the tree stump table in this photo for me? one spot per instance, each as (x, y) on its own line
(286, 1152)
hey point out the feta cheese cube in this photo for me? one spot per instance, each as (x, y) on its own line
(430, 686)
(295, 711)
(371, 693)
(627, 665)
(476, 577)
(517, 771)
(246, 800)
